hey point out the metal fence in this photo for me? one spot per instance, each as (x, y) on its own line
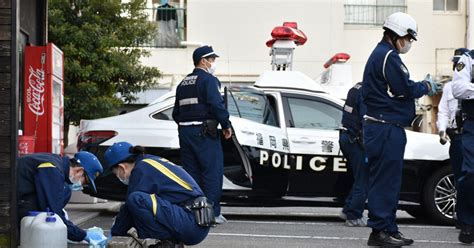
(369, 14)
(171, 27)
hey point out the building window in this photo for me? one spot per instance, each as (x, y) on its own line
(371, 12)
(446, 5)
(170, 19)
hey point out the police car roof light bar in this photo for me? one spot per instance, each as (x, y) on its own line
(284, 41)
(337, 58)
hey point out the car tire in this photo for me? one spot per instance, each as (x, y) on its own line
(439, 196)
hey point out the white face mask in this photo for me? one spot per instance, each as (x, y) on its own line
(76, 185)
(406, 47)
(212, 68)
(124, 180)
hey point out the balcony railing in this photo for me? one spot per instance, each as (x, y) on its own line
(369, 14)
(171, 27)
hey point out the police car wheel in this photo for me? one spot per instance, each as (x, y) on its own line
(439, 196)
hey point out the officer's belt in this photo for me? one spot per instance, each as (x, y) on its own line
(190, 123)
(202, 209)
(453, 131)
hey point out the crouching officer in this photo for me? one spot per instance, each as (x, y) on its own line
(450, 123)
(351, 143)
(45, 182)
(198, 109)
(163, 201)
(389, 95)
(463, 90)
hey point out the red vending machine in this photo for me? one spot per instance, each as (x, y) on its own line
(43, 95)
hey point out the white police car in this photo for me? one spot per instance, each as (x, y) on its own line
(285, 145)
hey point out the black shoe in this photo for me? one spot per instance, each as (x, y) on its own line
(467, 234)
(459, 224)
(400, 236)
(384, 239)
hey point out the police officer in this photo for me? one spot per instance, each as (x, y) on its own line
(45, 182)
(160, 198)
(351, 143)
(463, 90)
(448, 116)
(389, 96)
(198, 109)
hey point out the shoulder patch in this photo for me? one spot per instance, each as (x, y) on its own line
(460, 66)
(404, 69)
(46, 165)
(357, 86)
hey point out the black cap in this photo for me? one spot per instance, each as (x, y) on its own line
(203, 52)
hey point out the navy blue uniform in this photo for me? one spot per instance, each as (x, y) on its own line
(198, 99)
(350, 141)
(43, 183)
(156, 193)
(463, 89)
(389, 96)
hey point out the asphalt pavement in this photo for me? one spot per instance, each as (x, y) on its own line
(300, 227)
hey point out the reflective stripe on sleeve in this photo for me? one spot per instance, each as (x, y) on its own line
(46, 165)
(188, 101)
(168, 173)
(154, 203)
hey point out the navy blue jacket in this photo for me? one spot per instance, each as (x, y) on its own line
(204, 87)
(389, 94)
(43, 183)
(159, 180)
(354, 110)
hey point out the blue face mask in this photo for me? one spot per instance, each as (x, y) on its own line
(75, 186)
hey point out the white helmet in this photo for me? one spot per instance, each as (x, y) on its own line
(402, 24)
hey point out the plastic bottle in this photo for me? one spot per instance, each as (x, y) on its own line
(24, 228)
(46, 230)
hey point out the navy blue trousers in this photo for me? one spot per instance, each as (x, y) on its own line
(465, 195)
(355, 155)
(156, 218)
(384, 147)
(202, 158)
(456, 155)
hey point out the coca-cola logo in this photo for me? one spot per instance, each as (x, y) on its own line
(35, 91)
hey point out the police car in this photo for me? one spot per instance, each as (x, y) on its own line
(284, 149)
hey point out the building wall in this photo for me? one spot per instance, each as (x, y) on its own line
(238, 31)
(30, 18)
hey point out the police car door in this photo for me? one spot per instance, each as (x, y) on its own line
(256, 123)
(312, 126)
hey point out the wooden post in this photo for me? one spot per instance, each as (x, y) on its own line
(9, 72)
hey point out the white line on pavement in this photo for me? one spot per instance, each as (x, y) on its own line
(330, 224)
(316, 237)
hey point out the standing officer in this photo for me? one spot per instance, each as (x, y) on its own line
(351, 143)
(389, 96)
(463, 89)
(45, 182)
(198, 109)
(449, 115)
(163, 201)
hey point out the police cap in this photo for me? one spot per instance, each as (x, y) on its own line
(203, 52)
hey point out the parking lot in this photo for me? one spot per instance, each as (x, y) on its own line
(301, 227)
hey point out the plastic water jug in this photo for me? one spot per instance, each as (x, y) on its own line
(45, 230)
(24, 228)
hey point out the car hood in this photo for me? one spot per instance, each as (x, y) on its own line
(423, 146)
